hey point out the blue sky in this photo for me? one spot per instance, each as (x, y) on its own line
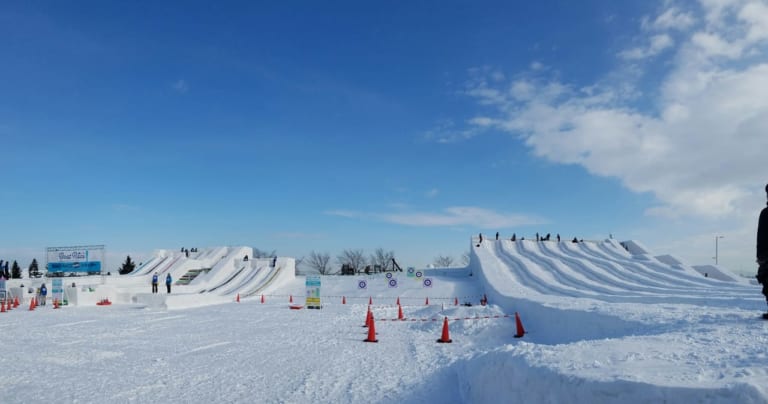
(403, 125)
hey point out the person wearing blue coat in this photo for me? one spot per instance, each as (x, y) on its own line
(168, 281)
(43, 294)
(154, 283)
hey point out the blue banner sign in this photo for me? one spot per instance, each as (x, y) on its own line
(86, 266)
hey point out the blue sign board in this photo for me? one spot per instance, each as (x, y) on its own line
(87, 266)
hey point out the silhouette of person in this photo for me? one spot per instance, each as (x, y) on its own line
(154, 283)
(168, 281)
(762, 251)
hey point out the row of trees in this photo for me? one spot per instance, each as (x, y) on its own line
(14, 272)
(321, 261)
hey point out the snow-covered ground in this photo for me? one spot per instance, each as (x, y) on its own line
(604, 324)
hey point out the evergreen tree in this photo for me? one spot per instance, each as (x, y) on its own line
(34, 271)
(15, 270)
(128, 266)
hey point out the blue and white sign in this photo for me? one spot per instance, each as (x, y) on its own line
(389, 275)
(427, 282)
(57, 289)
(75, 259)
(362, 284)
(419, 274)
(392, 283)
(411, 272)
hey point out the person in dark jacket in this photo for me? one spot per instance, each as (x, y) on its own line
(762, 251)
(168, 281)
(154, 283)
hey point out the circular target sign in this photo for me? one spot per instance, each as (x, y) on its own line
(418, 274)
(362, 284)
(392, 283)
(427, 283)
(389, 275)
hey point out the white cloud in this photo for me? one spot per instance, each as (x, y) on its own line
(432, 193)
(698, 149)
(181, 86)
(673, 18)
(755, 14)
(452, 216)
(657, 44)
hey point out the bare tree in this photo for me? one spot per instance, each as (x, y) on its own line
(381, 257)
(443, 261)
(465, 258)
(354, 257)
(319, 262)
(257, 253)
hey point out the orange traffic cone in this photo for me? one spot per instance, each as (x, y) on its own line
(262, 299)
(2, 306)
(427, 302)
(8, 305)
(343, 300)
(56, 303)
(237, 299)
(32, 304)
(398, 301)
(446, 337)
(290, 299)
(34, 301)
(519, 324)
(455, 301)
(400, 313)
(368, 317)
(370, 300)
(16, 302)
(371, 331)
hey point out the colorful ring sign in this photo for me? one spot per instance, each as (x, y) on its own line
(418, 274)
(427, 283)
(392, 283)
(362, 284)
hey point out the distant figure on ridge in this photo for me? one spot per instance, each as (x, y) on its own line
(497, 235)
(762, 251)
(558, 237)
(154, 283)
(168, 281)
(245, 258)
(575, 240)
(537, 236)
(514, 237)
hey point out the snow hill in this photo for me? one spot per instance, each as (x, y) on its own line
(604, 321)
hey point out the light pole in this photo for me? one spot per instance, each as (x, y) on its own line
(716, 239)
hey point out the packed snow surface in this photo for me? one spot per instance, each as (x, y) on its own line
(603, 324)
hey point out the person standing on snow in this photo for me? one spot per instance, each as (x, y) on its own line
(154, 283)
(43, 294)
(762, 251)
(168, 281)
